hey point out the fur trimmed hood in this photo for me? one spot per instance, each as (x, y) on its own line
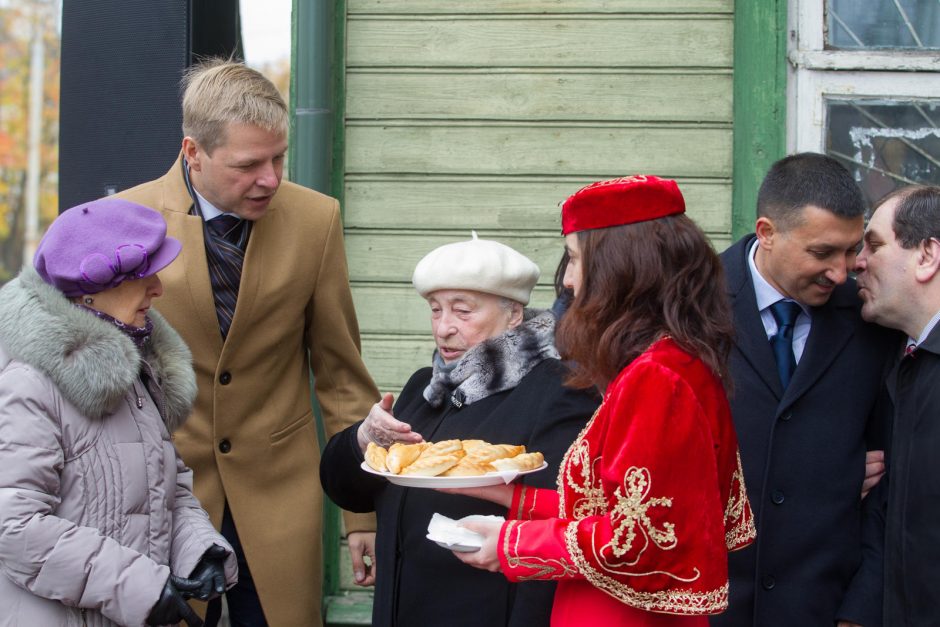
(90, 361)
(495, 364)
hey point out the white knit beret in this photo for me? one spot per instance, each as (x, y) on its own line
(480, 265)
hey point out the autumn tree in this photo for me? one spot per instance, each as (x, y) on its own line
(18, 21)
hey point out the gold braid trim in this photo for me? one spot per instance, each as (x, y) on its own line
(740, 529)
(563, 467)
(682, 602)
(545, 569)
(519, 509)
(521, 512)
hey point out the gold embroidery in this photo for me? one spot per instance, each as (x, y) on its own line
(686, 602)
(739, 524)
(631, 515)
(545, 569)
(577, 474)
(585, 483)
(522, 492)
(523, 513)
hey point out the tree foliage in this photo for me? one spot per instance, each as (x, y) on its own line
(17, 21)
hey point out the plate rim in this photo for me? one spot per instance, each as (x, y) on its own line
(473, 481)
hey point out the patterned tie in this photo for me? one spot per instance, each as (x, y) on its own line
(785, 313)
(226, 254)
(226, 226)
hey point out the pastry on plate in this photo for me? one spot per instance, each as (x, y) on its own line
(375, 457)
(444, 447)
(430, 466)
(468, 468)
(469, 445)
(525, 461)
(400, 455)
(489, 452)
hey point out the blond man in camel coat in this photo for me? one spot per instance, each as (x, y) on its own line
(252, 441)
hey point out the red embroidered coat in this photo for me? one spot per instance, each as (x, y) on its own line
(650, 500)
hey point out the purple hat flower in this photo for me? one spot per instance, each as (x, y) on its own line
(97, 245)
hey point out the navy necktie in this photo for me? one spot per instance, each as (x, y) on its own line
(785, 313)
(226, 226)
(225, 256)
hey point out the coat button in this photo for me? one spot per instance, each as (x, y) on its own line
(786, 417)
(768, 582)
(225, 378)
(225, 446)
(777, 497)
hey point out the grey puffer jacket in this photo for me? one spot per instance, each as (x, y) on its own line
(96, 507)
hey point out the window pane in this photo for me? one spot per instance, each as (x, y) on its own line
(854, 24)
(886, 144)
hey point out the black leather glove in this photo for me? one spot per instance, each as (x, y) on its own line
(210, 573)
(172, 607)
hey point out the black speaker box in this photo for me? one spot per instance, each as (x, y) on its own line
(122, 60)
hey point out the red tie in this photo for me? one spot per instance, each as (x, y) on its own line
(909, 349)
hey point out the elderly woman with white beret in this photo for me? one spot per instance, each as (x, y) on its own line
(98, 523)
(495, 376)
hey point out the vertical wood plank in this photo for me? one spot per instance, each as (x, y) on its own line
(760, 88)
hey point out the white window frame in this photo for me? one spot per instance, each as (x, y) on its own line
(815, 74)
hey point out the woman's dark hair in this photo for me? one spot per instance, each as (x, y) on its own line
(640, 282)
(560, 274)
(563, 295)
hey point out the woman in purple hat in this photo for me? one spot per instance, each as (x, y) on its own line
(98, 524)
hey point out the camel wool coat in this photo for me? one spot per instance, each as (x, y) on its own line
(252, 439)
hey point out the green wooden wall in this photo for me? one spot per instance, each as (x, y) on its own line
(485, 114)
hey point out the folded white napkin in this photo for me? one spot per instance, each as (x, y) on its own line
(445, 531)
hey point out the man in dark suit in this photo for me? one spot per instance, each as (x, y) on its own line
(899, 282)
(806, 372)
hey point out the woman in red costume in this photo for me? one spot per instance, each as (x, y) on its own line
(651, 496)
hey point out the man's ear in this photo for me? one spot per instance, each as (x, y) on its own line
(765, 229)
(928, 260)
(192, 153)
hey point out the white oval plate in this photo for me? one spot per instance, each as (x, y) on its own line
(491, 478)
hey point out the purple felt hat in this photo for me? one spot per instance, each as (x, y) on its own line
(97, 245)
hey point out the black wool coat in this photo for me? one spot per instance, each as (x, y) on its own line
(912, 545)
(418, 582)
(803, 453)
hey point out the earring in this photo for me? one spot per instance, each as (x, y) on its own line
(88, 300)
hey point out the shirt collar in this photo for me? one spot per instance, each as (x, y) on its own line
(209, 210)
(765, 293)
(927, 330)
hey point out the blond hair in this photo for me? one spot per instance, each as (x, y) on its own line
(218, 92)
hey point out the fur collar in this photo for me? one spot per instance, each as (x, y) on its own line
(495, 364)
(90, 361)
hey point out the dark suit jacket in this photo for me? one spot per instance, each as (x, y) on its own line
(912, 548)
(803, 453)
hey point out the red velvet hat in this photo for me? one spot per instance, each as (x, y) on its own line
(620, 201)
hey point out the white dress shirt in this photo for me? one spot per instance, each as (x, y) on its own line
(209, 210)
(767, 295)
(927, 329)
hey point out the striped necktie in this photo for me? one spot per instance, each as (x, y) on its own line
(227, 237)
